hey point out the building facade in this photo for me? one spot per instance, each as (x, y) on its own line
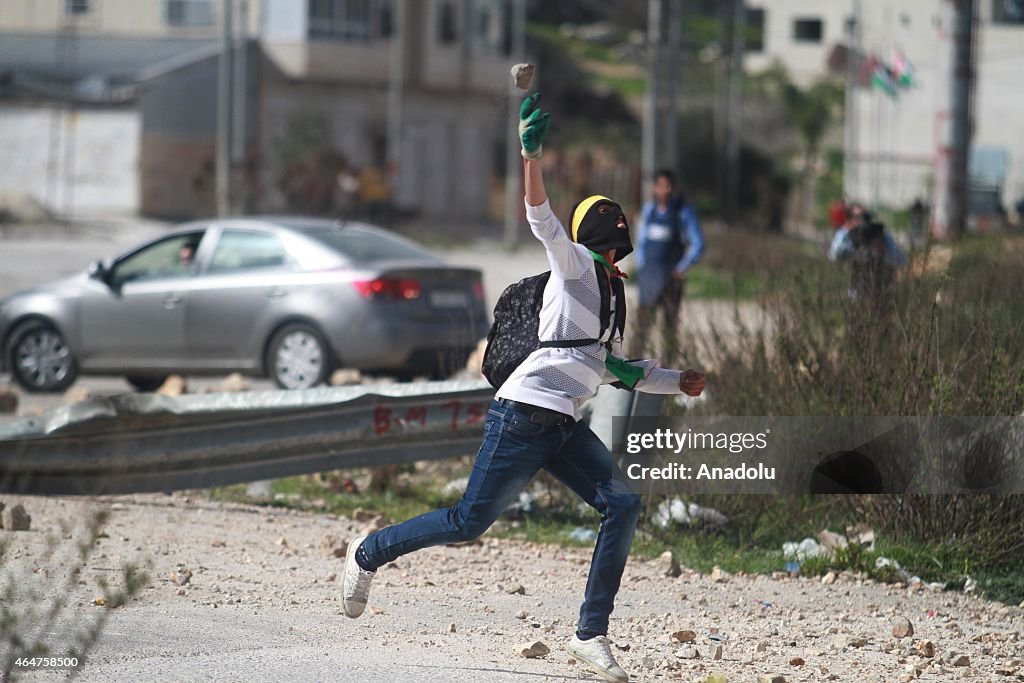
(894, 139)
(316, 99)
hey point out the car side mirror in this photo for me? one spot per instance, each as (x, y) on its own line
(99, 271)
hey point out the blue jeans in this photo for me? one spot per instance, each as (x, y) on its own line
(514, 449)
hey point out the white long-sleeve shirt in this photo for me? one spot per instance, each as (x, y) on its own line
(563, 379)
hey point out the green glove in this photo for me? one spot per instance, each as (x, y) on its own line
(533, 125)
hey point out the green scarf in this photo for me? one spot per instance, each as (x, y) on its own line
(613, 269)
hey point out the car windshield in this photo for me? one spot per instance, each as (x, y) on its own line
(365, 246)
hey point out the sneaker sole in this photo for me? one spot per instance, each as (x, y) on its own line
(595, 667)
(350, 558)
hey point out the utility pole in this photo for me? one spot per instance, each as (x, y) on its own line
(240, 109)
(396, 92)
(671, 120)
(652, 98)
(660, 142)
(851, 129)
(954, 120)
(735, 111)
(513, 159)
(224, 91)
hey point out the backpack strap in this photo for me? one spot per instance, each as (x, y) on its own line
(567, 343)
(606, 304)
(606, 312)
(620, 306)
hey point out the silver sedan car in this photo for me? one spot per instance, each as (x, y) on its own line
(288, 298)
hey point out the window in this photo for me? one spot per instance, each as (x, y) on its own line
(447, 33)
(386, 18)
(247, 250)
(807, 30)
(189, 12)
(340, 19)
(1008, 11)
(489, 31)
(755, 29)
(171, 257)
(76, 7)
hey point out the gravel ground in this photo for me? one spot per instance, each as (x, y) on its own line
(263, 604)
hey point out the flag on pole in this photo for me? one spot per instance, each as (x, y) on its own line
(903, 70)
(883, 78)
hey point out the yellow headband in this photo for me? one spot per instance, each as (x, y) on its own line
(581, 211)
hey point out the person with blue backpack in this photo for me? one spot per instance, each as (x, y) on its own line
(669, 244)
(556, 338)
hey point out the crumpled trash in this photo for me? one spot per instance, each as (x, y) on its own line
(886, 562)
(881, 562)
(456, 486)
(259, 490)
(671, 511)
(802, 550)
(861, 534)
(709, 516)
(830, 540)
(970, 585)
(583, 535)
(525, 504)
(679, 512)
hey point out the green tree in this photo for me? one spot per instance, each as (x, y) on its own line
(812, 110)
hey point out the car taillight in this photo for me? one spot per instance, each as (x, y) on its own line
(388, 287)
(478, 290)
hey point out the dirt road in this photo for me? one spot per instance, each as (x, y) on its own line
(263, 604)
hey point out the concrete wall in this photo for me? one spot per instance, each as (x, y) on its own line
(448, 158)
(803, 60)
(134, 17)
(284, 104)
(448, 148)
(179, 115)
(85, 162)
(430, 63)
(284, 31)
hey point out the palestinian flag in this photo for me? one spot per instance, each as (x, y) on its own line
(903, 71)
(884, 78)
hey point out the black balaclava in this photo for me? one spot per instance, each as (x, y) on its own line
(599, 231)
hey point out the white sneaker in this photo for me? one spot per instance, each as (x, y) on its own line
(355, 584)
(596, 653)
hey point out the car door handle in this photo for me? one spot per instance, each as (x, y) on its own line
(172, 301)
(277, 293)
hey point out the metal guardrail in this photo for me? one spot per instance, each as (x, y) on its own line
(147, 442)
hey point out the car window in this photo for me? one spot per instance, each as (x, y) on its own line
(168, 258)
(364, 246)
(239, 250)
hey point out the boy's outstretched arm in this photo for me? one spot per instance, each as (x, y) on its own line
(533, 125)
(649, 377)
(534, 182)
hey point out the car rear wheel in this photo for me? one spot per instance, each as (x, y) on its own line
(298, 357)
(40, 358)
(146, 383)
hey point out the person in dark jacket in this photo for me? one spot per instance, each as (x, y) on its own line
(669, 244)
